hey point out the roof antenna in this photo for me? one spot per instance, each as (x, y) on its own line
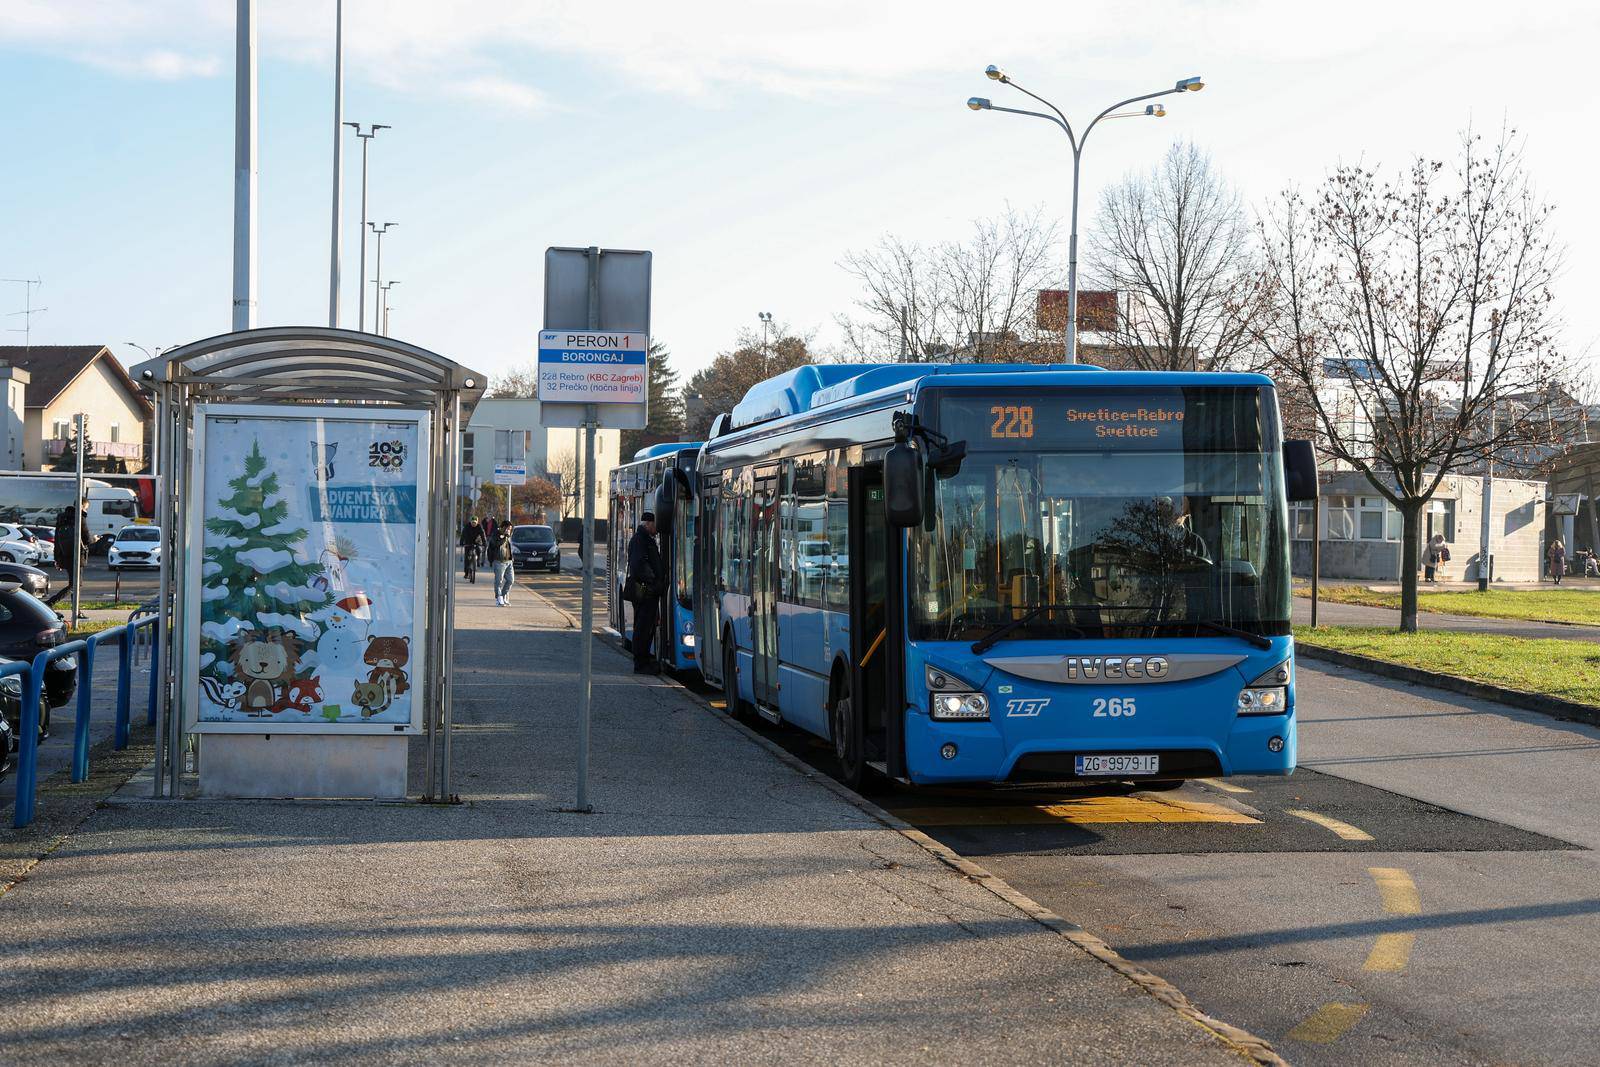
(28, 312)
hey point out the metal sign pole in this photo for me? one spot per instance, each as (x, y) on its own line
(586, 548)
(80, 524)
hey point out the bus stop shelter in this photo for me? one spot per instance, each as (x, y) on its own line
(307, 503)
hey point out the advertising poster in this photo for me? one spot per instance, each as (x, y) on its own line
(311, 557)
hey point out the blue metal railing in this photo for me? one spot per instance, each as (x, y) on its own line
(32, 692)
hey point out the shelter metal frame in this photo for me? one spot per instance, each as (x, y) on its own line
(291, 366)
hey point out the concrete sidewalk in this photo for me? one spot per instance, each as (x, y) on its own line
(719, 905)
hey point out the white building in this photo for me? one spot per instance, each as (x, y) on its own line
(504, 428)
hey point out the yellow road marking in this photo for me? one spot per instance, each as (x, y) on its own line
(1089, 810)
(1226, 787)
(1328, 1023)
(1328, 822)
(718, 703)
(1391, 952)
(1398, 891)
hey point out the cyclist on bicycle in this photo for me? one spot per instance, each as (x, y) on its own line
(472, 545)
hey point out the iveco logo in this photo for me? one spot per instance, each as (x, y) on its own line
(1112, 668)
(1127, 670)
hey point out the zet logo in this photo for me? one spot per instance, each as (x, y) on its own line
(1026, 707)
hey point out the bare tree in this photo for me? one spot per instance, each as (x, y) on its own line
(518, 382)
(565, 466)
(1175, 248)
(970, 300)
(1414, 314)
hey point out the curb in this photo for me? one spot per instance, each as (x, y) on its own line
(1239, 1040)
(1539, 703)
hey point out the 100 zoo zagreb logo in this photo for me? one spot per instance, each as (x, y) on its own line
(387, 456)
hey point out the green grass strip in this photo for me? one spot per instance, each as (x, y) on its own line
(1578, 606)
(1567, 669)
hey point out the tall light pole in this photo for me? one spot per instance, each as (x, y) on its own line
(366, 140)
(978, 103)
(377, 278)
(244, 167)
(383, 321)
(336, 248)
(766, 325)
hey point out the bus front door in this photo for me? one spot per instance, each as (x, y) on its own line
(764, 550)
(877, 631)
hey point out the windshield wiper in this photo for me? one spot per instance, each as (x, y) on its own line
(1215, 627)
(989, 640)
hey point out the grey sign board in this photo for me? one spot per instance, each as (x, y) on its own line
(596, 289)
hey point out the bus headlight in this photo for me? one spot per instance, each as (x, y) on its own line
(688, 640)
(1264, 700)
(947, 706)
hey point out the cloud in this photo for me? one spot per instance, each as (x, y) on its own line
(162, 65)
(497, 90)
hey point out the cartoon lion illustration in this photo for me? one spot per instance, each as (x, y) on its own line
(264, 662)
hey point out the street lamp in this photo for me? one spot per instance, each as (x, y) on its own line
(377, 279)
(979, 103)
(383, 321)
(766, 324)
(366, 140)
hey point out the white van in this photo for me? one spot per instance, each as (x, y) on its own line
(37, 499)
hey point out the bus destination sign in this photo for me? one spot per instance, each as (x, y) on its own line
(1182, 419)
(593, 367)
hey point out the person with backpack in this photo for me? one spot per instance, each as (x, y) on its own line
(1558, 559)
(500, 558)
(644, 586)
(472, 541)
(72, 540)
(1435, 554)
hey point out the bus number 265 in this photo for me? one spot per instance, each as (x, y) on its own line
(1115, 707)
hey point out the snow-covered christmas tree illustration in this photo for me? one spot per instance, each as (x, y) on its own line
(253, 581)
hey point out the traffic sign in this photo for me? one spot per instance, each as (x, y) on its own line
(593, 367)
(511, 473)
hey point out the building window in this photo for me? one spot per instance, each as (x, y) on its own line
(59, 429)
(467, 453)
(1369, 517)
(116, 432)
(1300, 518)
(1440, 518)
(1341, 518)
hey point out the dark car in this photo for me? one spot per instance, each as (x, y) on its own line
(8, 743)
(31, 579)
(43, 533)
(28, 627)
(535, 546)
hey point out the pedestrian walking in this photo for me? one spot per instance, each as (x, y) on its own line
(1558, 559)
(489, 527)
(645, 582)
(500, 558)
(472, 541)
(1435, 554)
(71, 547)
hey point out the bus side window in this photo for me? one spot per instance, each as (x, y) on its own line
(837, 580)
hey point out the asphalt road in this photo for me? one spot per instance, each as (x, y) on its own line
(1423, 890)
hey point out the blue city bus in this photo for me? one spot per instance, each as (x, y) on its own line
(635, 488)
(990, 573)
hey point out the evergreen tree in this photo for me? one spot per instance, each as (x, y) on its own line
(666, 405)
(250, 576)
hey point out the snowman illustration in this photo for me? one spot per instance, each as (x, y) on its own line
(343, 642)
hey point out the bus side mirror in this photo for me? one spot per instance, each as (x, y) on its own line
(903, 485)
(1299, 470)
(666, 502)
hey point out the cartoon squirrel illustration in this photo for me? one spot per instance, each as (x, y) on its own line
(387, 656)
(374, 696)
(263, 662)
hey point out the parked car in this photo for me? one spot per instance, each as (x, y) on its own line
(43, 533)
(28, 627)
(135, 546)
(30, 579)
(8, 744)
(535, 546)
(18, 545)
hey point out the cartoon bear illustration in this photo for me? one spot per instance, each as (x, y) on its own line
(264, 661)
(387, 656)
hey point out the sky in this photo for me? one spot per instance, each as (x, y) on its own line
(750, 146)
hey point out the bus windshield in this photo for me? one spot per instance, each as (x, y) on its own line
(1115, 515)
